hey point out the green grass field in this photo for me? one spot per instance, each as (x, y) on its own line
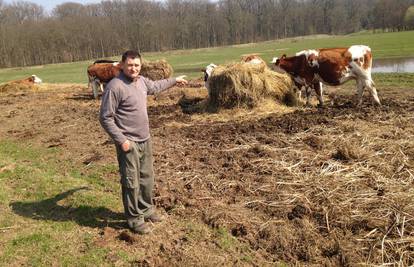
(189, 62)
(32, 186)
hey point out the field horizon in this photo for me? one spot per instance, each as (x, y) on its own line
(190, 62)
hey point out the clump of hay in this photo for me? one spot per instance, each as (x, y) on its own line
(348, 152)
(244, 85)
(16, 86)
(345, 153)
(156, 70)
(314, 141)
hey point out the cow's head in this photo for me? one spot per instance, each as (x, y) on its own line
(35, 79)
(311, 56)
(276, 61)
(208, 71)
(313, 60)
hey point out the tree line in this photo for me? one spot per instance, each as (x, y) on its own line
(72, 32)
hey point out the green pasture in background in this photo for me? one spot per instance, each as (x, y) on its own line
(190, 62)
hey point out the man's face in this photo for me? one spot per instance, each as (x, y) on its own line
(131, 67)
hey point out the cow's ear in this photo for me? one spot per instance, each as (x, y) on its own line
(283, 56)
(203, 70)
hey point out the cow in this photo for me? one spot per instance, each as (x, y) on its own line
(335, 66)
(302, 83)
(104, 61)
(302, 74)
(29, 80)
(101, 72)
(35, 79)
(253, 59)
(26, 83)
(308, 87)
(207, 73)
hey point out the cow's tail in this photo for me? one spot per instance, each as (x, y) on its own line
(363, 75)
(361, 72)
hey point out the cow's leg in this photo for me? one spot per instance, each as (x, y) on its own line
(299, 92)
(319, 91)
(371, 87)
(95, 89)
(308, 95)
(297, 88)
(360, 88)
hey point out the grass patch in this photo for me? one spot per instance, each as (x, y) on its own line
(225, 239)
(45, 212)
(227, 242)
(394, 79)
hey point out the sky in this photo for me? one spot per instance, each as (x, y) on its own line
(50, 4)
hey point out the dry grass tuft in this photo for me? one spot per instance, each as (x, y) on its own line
(348, 152)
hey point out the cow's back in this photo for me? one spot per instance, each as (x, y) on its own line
(104, 71)
(333, 64)
(337, 65)
(296, 65)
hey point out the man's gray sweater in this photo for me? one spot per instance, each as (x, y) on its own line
(123, 112)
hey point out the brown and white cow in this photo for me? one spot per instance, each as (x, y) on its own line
(335, 66)
(253, 59)
(29, 80)
(101, 72)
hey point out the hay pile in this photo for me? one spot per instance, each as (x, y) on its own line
(156, 70)
(243, 85)
(16, 87)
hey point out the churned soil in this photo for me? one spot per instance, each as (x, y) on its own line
(300, 185)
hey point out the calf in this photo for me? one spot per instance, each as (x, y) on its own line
(302, 74)
(100, 73)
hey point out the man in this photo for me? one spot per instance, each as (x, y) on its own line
(124, 117)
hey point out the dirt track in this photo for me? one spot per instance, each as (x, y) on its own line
(302, 185)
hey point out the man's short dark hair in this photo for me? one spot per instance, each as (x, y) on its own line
(130, 54)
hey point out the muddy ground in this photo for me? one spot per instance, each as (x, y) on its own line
(307, 186)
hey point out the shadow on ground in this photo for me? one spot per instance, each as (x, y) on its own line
(49, 209)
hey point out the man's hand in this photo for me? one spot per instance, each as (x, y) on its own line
(180, 80)
(126, 146)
